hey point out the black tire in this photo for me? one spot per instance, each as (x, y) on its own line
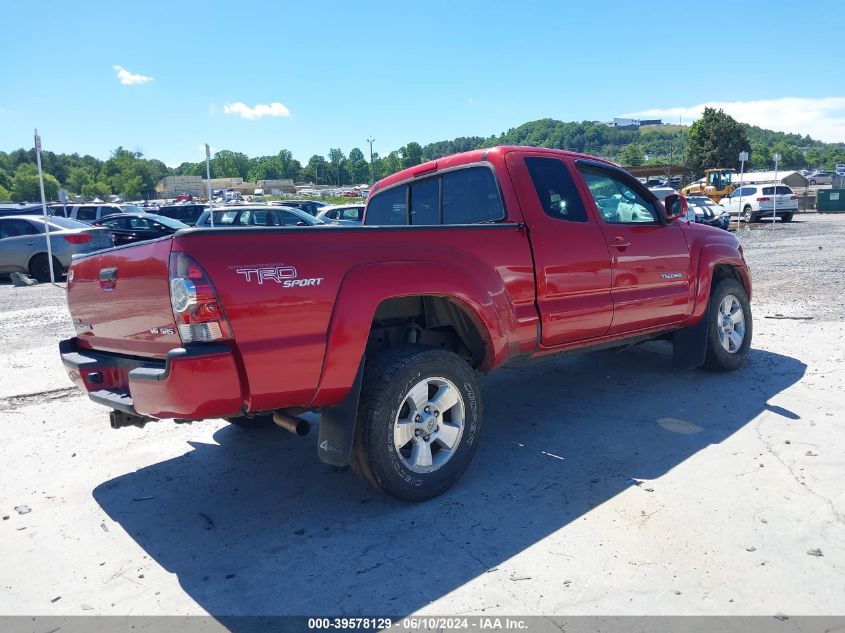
(39, 269)
(748, 216)
(786, 217)
(812, 182)
(717, 356)
(388, 379)
(252, 422)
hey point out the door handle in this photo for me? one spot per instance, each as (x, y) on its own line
(620, 242)
(30, 243)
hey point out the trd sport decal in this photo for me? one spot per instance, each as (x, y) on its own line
(282, 274)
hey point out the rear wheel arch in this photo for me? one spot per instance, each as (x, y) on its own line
(434, 320)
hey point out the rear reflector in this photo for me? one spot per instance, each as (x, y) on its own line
(763, 199)
(78, 238)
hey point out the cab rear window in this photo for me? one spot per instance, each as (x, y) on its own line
(463, 196)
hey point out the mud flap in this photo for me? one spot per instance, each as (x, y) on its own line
(689, 346)
(337, 425)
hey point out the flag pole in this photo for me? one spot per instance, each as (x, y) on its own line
(44, 207)
(208, 181)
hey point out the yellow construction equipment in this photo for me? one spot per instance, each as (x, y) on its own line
(718, 183)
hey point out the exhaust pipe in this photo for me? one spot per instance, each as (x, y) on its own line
(291, 423)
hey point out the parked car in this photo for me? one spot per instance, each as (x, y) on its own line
(312, 207)
(821, 178)
(22, 208)
(758, 201)
(90, 212)
(386, 330)
(23, 244)
(187, 213)
(342, 213)
(705, 211)
(127, 228)
(254, 215)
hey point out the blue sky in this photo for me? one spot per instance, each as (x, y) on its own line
(307, 76)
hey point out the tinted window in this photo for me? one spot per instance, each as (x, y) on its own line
(471, 196)
(289, 219)
(388, 207)
(352, 213)
(139, 223)
(425, 202)
(16, 228)
(556, 189)
(86, 213)
(617, 201)
(782, 191)
(114, 223)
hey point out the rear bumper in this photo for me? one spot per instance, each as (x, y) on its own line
(193, 383)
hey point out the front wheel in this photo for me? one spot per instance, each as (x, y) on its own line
(730, 328)
(418, 423)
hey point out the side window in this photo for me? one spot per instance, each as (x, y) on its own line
(16, 228)
(471, 196)
(86, 214)
(352, 213)
(112, 224)
(139, 223)
(617, 202)
(388, 207)
(331, 215)
(556, 189)
(290, 219)
(425, 202)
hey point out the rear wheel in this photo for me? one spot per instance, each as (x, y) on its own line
(748, 216)
(39, 268)
(786, 217)
(418, 422)
(252, 421)
(730, 328)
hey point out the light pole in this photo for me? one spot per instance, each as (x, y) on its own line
(776, 158)
(743, 157)
(371, 140)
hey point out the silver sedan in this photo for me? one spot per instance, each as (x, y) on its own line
(23, 244)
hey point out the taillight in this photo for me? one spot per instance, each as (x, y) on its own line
(199, 315)
(78, 238)
(765, 199)
(794, 198)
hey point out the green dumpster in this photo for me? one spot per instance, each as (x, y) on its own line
(830, 201)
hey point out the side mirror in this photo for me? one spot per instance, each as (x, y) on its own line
(301, 223)
(676, 206)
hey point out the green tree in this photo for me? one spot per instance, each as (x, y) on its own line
(632, 155)
(227, 164)
(5, 194)
(411, 154)
(25, 184)
(715, 140)
(78, 178)
(96, 190)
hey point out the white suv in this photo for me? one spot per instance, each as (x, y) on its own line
(758, 202)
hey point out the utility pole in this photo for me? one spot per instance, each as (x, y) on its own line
(371, 140)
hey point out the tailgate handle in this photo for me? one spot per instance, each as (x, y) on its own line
(108, 278)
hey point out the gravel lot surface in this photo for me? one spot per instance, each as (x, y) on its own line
(608, 483)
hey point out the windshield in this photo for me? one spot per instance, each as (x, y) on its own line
(168, 222)
(131, 208)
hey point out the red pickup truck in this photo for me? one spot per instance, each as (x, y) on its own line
(462, 265)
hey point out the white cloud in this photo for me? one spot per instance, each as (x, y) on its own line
(823, 118)
(274, 109)
(130, 79)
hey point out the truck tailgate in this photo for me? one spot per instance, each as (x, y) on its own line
(119, 300)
